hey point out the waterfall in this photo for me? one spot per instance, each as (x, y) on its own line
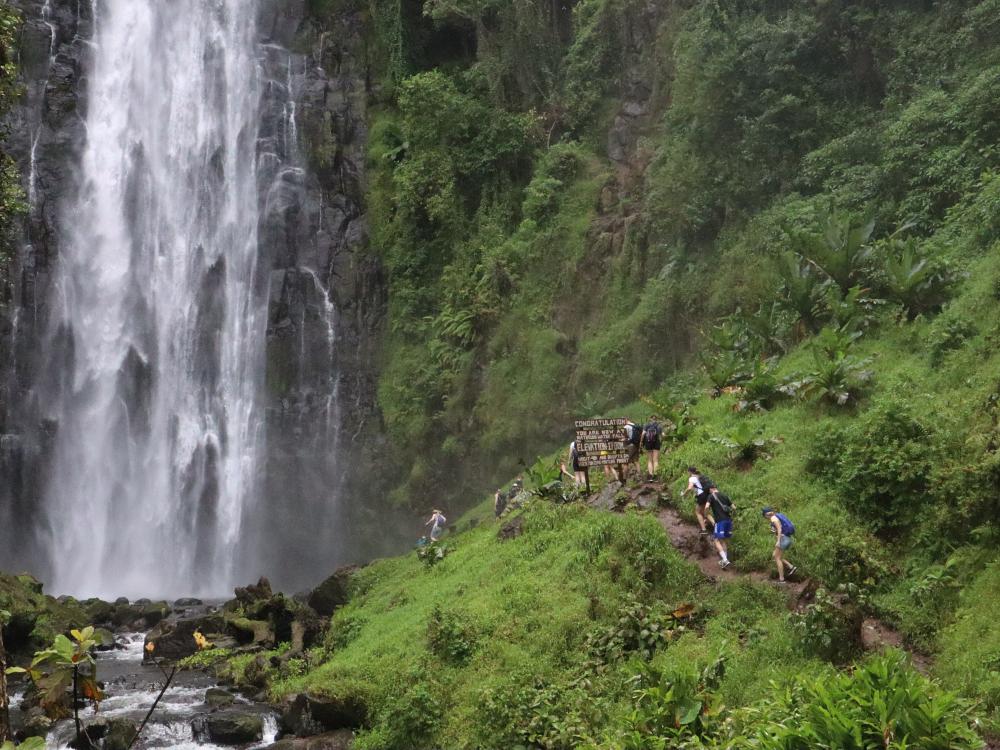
(157, 330)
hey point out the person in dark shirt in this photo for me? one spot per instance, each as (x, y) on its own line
(721, 516)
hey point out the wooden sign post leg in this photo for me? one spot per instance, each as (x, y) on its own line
(586, 473)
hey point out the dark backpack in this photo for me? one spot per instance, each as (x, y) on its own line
(787, 527)
(652, 432)
(635, 436)
(706, 484)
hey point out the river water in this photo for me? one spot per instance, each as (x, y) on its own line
(131, 688)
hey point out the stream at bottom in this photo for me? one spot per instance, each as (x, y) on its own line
(130, 689)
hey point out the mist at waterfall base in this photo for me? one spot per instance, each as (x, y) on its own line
(165, 474)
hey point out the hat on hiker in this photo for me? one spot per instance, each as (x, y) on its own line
(766, 509)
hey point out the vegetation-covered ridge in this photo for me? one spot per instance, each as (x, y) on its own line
(565, 194)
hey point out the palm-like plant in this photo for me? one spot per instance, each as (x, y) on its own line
(913, 278)
(837, 377)
(840, 251)
(745, 443)
(725, 369)
(801, 291)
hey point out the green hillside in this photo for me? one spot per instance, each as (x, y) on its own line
(773, 224)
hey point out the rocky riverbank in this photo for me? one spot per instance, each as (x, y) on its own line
(142, 640)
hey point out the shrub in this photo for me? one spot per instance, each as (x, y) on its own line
(830, 626)
(449, 637)
(880, 464)
(882, 704)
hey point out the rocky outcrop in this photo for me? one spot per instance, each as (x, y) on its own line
(305, 715)
(334, 592)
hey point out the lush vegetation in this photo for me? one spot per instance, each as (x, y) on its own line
(774, 224)
(567, 195)
(11, 196)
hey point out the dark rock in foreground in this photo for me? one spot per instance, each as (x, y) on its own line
(120, 734)
(342, 739)
(306, 715)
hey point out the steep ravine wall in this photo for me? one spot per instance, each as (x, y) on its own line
(327, 292)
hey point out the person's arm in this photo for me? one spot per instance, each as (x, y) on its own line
(776, 525)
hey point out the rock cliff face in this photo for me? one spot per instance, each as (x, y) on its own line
(327, 293)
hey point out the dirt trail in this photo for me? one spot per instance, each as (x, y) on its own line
(686, 538)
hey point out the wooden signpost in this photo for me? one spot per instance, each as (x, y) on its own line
(601, 442)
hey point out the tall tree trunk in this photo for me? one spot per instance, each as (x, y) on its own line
(4, 709)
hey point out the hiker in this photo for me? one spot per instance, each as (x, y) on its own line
(499, 502)
(783, 529)
(700, 485)
(579, 475)
(516, 487)
(436, 522)
(633, 442)
(721, 514)
(651, 441)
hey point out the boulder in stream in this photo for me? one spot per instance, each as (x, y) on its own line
(173, 640)
(230, 727)
(219, 698)
(120, 734)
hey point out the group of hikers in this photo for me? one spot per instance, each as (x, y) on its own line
(714, 511)
(713, 508)
(636, 438)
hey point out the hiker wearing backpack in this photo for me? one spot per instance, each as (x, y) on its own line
(579, 475)
(652, 440)
(784, 530)
(700, 485)
(499, 503)
(633, 441)
(721, 515)
(436, 522)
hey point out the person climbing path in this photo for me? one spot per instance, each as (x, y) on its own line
(579, 475)
(721, 515)
(700, 485)
(784, 530)
(436, 522)
(652, 441)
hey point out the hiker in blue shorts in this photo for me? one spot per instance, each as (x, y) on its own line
(721, 516)
(784, 530)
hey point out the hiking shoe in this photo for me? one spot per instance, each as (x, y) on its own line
(779, 581)
(704, 532)
(791, 570)
(725, 563)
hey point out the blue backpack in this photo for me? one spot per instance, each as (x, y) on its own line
(787, 527)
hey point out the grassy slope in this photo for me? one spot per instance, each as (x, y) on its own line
(525, 607)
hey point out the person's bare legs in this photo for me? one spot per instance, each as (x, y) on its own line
(780, 563)
(699, 513)
(723, 549)
(652, 463)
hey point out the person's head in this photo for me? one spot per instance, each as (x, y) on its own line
(693, 471)
(767, 512)
(653, 418)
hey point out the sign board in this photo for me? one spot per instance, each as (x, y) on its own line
(601, 442)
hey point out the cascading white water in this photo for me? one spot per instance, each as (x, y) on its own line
(160, 307)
